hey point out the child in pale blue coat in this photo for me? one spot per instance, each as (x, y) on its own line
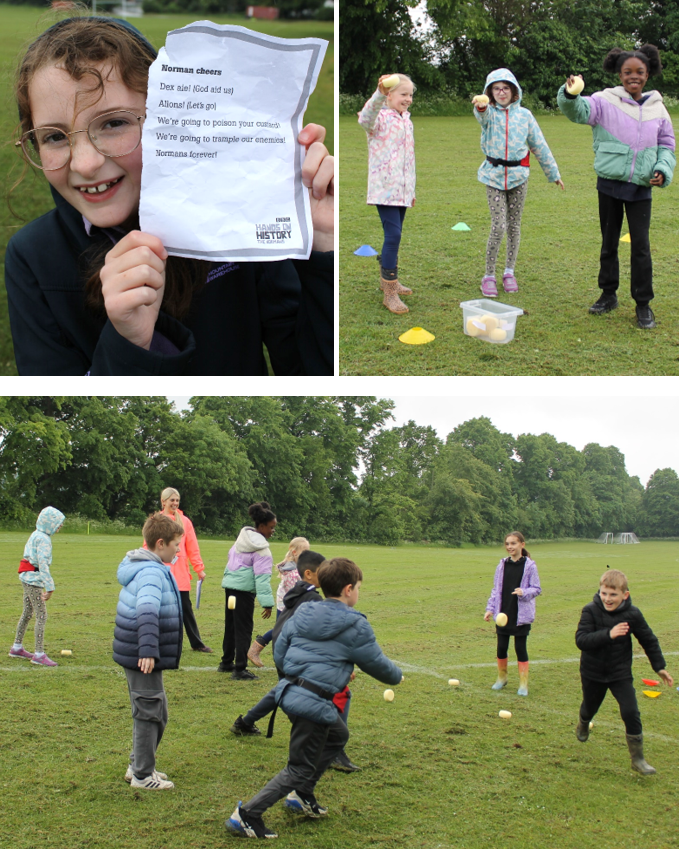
(509, 133)
(38, 584)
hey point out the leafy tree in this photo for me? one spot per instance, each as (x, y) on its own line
(659, 516)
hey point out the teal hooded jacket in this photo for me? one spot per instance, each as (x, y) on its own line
(509, 133)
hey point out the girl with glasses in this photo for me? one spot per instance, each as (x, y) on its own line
(509, 132)
(88, 292)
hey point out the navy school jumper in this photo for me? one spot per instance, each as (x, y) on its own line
(287, 305)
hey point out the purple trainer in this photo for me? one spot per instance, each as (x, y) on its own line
(509, 283)
(489, 286)
(44, 661)
(20, 653)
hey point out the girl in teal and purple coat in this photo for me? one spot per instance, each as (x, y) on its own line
(514, 590)
(633, 152)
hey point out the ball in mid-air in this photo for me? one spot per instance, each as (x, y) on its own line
(501, 619)
(391, 82)
(232, 602)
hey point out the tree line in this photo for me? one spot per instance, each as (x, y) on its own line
(541, 41)
(332, 467)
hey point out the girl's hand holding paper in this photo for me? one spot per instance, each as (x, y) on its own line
(318, 175)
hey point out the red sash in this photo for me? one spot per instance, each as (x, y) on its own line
(341, 699)
(27, 567)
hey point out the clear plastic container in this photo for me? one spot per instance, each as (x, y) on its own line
(489, 320)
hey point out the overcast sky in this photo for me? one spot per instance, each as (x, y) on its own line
(645, 429)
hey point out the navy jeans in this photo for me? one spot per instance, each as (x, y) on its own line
(392, 222)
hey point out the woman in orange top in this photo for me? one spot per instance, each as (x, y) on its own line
(188, 552)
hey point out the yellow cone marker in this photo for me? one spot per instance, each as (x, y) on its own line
(626, 238)
(651, 694)
(416, 336)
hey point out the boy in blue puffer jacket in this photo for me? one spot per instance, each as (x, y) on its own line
(147, 640)
(316, 650)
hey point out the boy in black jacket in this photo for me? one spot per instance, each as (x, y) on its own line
(604, 636)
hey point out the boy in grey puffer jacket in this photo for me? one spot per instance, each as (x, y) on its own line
(316, 650)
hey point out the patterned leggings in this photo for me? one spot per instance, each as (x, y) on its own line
(33, 604)
(506, 209)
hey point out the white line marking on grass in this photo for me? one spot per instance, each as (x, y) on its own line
(414, 668)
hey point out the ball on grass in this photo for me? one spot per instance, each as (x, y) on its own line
(232, 602)
(501, 619)
(389, 695)
(67, 652)
(505, 715)
(454, 682)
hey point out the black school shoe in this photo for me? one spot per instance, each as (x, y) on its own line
(645, 317)
(226, 668)
(607, 301)
(344, 763)
(243, 675)
(240, 727)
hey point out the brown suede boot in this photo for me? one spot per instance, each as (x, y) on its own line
(253, 653)
(391, 275)
(635, 744)
(391, 300)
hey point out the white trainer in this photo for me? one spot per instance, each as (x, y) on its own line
(129, 774)
(152, 783)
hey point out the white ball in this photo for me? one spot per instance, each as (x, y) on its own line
(501, 619)
(391, 82)
(389, 695)
(232, 602)
(454, 682)
(498, 335)
(505, 715)
(66, 652)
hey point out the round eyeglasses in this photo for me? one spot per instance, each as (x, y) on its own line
(112, 134)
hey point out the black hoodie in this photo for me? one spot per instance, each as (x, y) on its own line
(301, 592)
(286, 305)
(606, 659)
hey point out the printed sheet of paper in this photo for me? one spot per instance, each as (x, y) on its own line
(221, 176)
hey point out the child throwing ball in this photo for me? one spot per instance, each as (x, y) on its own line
(514, 590)
(633, 151)
(604, 637)
(509, 132)
(391, 173)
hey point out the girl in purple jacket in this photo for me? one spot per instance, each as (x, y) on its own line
(514, 590)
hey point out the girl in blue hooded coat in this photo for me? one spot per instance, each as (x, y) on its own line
(38, 585)
(509, 132)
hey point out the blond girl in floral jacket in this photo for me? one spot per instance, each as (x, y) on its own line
(391, 174)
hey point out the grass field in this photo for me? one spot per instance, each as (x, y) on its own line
(440, 769)
(557, 267)
(20, 25)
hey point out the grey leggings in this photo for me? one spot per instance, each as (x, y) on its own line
(33, 604)
(506, 208)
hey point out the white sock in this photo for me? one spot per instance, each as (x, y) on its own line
(509, 271)
(17, 646)
(38, 654)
